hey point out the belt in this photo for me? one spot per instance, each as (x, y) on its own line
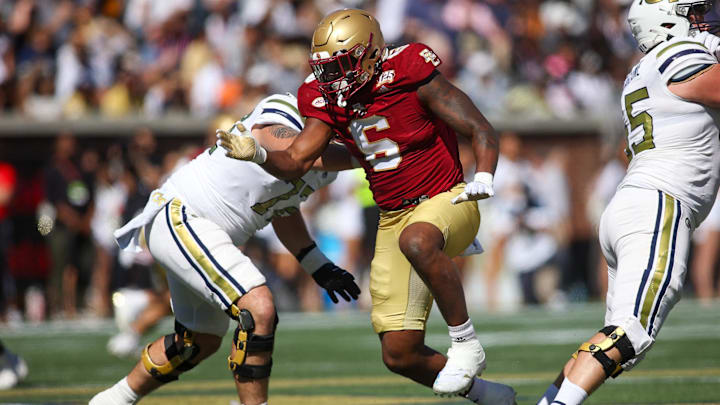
(406, 202)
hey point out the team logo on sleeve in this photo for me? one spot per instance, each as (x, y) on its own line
(386, 78)
(430, 57)
(318, 102)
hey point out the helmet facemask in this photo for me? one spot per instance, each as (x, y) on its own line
(655, 21)
(346, 48)
(695, 13)
(343, 74)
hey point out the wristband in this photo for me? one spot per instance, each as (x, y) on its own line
(260, 154)
(311, 258)
(484, 178)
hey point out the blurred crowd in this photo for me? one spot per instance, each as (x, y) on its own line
(115, 58)
(59, 259)
(69, 58)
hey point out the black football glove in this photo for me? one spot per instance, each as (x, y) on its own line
(336, 280)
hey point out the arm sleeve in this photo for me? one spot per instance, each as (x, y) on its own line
(276, 109)
(413, 63)
(312, 104)
(680, 60)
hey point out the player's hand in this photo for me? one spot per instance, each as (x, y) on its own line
(478, 189)
(336, 280)
(242, 146)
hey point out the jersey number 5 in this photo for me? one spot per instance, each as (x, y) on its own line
(383, 154)
(643, 119)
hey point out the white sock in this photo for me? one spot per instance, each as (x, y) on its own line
(549, 395)
(462, 333)
(118, 394)
(570, 394)
(126, 391)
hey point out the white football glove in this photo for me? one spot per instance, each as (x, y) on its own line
(478, 189)
(242, 146)
(711, 42)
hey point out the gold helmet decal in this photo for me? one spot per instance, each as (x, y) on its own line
(346, 47)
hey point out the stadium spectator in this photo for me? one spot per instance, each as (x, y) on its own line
(8, 181)
(530, 225)
(600, 192)
(110, 199)
(69, 59)
(704, 263)
(150, 57)
(69, 188)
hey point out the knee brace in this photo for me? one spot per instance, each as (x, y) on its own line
(245, 341)
(178, 358)
(616, 337)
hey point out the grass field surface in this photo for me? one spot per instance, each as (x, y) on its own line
(335, 359)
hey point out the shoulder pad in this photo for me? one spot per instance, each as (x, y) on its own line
(278, 109)
(411, 63)
(681, 58)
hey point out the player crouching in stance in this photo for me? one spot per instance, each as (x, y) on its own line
(670, 107)
(192, 225)
(398, 116)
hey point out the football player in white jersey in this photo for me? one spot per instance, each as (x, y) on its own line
(192, 225)
(671, 102)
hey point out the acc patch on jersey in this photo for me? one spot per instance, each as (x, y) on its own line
(386, 77)
(319, 102)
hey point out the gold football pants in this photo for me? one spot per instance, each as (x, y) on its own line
(400, 299)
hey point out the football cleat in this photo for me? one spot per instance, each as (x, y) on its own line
(13, 370)
(465, 361)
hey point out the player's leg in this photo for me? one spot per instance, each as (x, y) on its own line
(251, 350)
(437, 231)
(405, 353)
(652, 251)
(207, 275)
(401, 304)
(234, 285)
(402, 301)
(423, 245)
(199, 329)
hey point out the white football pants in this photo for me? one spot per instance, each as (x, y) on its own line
(645, 236)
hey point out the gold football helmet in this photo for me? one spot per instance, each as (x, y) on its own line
(346, 47)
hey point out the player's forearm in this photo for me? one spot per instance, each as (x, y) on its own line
(335, 158)
(456, 109)
(486, 150)
(282, 165)
(292, 232)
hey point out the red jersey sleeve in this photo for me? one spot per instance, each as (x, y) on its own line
(311, 103)
(412, 64)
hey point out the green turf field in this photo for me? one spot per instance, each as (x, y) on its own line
(334, 359)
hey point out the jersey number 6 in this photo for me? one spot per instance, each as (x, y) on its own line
(382, 154)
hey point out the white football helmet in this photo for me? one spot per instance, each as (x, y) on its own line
(656, 21)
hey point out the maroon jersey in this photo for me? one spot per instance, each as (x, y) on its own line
(407, 152)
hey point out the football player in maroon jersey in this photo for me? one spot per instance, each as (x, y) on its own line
(398, 117)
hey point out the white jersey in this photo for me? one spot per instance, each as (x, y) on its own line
(673, 144)
(240, 196)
